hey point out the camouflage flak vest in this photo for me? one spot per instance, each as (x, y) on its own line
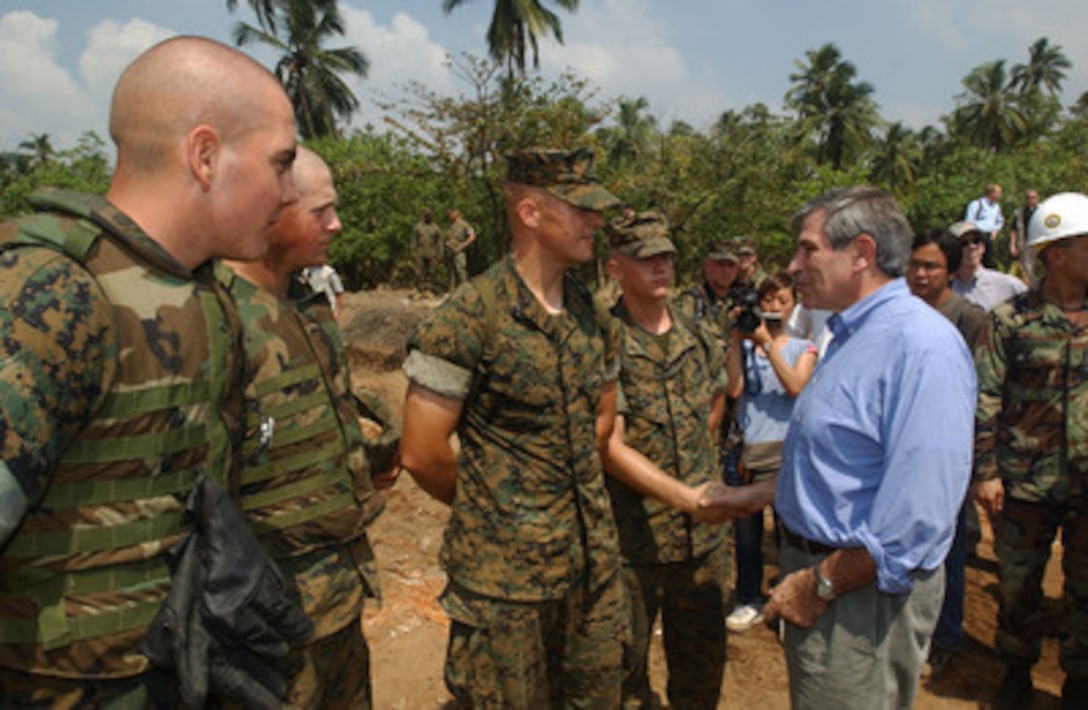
(305, 482)
(85, 572)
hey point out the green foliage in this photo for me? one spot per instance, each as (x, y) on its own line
(383, 188)
(745, 175)
(84, 168)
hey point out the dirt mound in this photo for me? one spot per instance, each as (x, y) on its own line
(376, 325)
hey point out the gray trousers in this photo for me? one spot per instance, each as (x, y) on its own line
(866, 651)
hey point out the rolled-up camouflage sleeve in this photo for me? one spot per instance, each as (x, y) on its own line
(444, 350)
(58, 355)
(991, 364)
(715, 359)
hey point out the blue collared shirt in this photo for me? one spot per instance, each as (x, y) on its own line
(878, 453)
(985, 215)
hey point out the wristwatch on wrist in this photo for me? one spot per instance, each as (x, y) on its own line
(824, 588)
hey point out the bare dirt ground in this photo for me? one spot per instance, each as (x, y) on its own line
(407, 635)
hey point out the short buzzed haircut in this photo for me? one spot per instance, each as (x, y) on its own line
(176, 85)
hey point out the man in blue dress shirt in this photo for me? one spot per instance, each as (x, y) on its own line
(875, 465)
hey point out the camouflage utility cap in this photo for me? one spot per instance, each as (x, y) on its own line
(744, 246)
(566, 174)
(722, 252)
(643, 236)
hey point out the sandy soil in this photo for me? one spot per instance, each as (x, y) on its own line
(407, 634)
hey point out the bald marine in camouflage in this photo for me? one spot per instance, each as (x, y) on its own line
(1031, 448)
(520, 366)
(120, 368)
(306, 482)
(662, 456)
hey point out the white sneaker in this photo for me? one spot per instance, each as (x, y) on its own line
(744, 617)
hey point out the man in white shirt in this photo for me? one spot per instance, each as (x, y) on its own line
(324, 279)
(974, 281)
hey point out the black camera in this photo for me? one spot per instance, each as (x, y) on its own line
(749, 318)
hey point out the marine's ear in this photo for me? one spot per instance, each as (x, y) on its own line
(202, 146)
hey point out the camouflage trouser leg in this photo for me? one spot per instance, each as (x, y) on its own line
(1022, 539)
(690, 596)
(335, 672)
(144, 692)
(427, 272)
(566, 653)
(460, 268)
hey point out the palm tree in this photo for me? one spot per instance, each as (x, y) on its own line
(896, 155)
(264, 9)
(1045, 68)
(989, 114)
(40, 148)
(1080, 108)
(831, 105)
(629, 140)
(516, 24)
(309, 72)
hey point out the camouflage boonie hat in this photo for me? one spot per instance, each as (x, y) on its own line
(722, 252)
(644, 235)
(567, 174)
(959, 230)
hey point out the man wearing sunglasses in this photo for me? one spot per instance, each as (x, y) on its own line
(980, 285)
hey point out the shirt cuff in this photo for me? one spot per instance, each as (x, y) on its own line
(440, 376)
(891, 578)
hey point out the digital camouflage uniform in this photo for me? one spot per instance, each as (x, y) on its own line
(671, 564)
(1032, 432)
(700, 305)
(458, 235)
(119, 386)
(305, 481)
(537, 609)
(427, 249)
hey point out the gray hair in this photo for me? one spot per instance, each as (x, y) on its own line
(852, 211)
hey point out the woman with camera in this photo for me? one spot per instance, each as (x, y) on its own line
(767, 369)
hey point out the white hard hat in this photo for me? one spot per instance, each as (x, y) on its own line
(1058, 217)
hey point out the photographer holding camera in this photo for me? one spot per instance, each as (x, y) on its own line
(767, 369)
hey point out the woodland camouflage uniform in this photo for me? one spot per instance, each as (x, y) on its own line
(531, 548)
(672, 564)
(1032, 432)
(305, 481)
(427, 252)
(119, 385)
(700, 305)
